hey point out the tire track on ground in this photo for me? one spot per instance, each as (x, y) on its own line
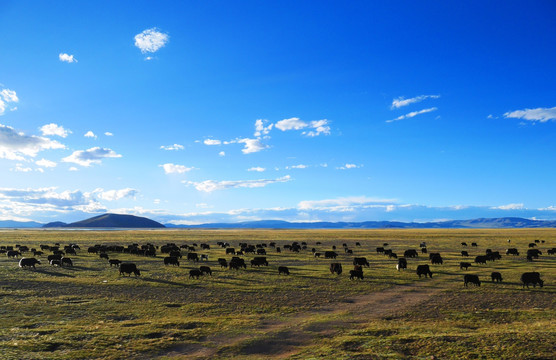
(282, 339)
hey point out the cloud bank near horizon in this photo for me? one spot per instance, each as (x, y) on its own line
(51, 204)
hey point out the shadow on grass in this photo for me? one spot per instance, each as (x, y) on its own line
(161, 281)
(79, 268)
(52, 273)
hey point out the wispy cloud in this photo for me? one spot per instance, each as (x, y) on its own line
(413, 114)
(212, 142)
(257, 169)
(539, 114)
(222, 153)
(317, 127)
(349, 166)
(263, 128)
(16, 145)
(67, 58)
(150, 40)
(7, 100)
(112, 195)
(46, 198)
(212, 185)
(401, 101)
(175, 169)
(343, 203)
(509, 207)
(45, 163)
(172, 147)
(21, 168)
(91, 156)
(54, 129)
(108, 133)
(299, 166)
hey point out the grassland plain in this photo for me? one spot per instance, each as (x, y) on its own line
(89, 311)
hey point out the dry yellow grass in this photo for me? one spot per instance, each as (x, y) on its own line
(90, 311)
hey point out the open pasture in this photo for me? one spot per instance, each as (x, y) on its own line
(89, 311)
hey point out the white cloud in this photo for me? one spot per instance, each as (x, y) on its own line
(172, 147)
(412, 114)
(90, 156)
(175, 169)
(257, 168)
(150, 40)
(73, 168)
(15, 146)
(291, 124)
(221, 153)
(317, 127)
(9, 95)
(349, 166)
(212, 142)
(108, 133)
(261, 129)
(251, 145)
(509, 207)
(90, 134)
(320, 127)
(54, 129)
(67, 58)
(45, 163)
(212, 185)
(7, 98)
(300, 166)
(538, 114)
(112, 195)
(401, 101)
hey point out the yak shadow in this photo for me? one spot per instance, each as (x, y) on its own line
(79, 268)
(161, 281)
(54, 273)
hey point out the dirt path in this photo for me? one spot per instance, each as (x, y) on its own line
(281, 339)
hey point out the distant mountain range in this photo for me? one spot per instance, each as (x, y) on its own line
(131, 221)
(482, 223)
(19, 224)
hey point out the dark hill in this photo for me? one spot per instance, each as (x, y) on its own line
(55, 224)
(116, 220)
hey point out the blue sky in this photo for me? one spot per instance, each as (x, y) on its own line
(193, 112)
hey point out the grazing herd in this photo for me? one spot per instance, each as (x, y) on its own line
(173, 254)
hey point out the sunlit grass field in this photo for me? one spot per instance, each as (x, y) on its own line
(89, 311)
